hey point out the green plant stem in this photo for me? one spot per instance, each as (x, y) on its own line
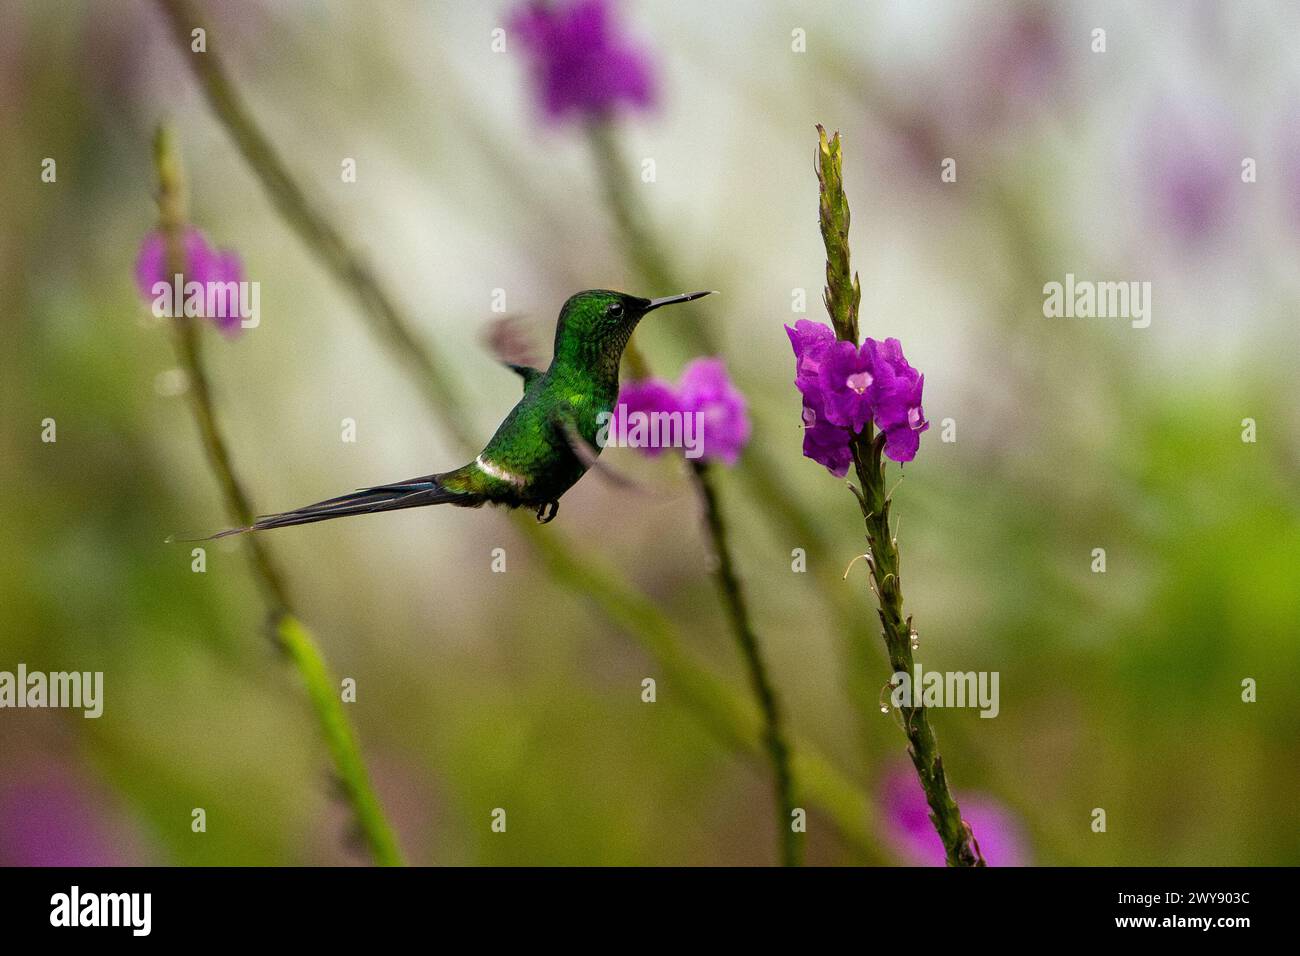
(842, 800)
(189, 343)
(733, 600)
(883, 559)
(297, 641)
(843, 296)
(323, 691)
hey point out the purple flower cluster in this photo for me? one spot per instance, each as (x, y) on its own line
(845, 386)
(582, 65)
(203, 264)
(703, 389)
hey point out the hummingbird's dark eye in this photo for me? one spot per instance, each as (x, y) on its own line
(615, 310)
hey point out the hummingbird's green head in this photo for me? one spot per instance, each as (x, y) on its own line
(595, 325)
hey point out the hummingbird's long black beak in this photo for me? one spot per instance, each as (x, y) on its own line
(674, 299)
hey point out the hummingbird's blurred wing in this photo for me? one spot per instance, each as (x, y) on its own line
(589, 456)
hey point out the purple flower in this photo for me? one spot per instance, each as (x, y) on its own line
(203, 265)
(582, 65)
(706, 390)
(847, 377)
(809, 341)
(844, 387)
(898, 412)
(909, 831)
(825, 443)
(643, 398)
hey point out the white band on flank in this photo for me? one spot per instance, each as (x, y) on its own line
(500, 474)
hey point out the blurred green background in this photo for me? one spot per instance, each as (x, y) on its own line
(479, 690)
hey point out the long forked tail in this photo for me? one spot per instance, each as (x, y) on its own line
(415, 493)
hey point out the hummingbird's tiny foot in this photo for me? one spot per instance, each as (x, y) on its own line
(547, 511)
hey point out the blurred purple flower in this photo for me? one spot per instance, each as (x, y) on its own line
(911, 834)
(1189, 194)
(1016, 67)
(1021, 63)
(203, 265)
(582, 65)
(705, 389)
(644, 397)
(1194, 168)
(51, 817)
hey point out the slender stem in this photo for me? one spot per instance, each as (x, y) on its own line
(189, 346)
(322, 688)
(733, 599)
(323, 691)
(958, 841)
(843, 296)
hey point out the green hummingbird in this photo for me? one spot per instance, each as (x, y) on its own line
(546, 443)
